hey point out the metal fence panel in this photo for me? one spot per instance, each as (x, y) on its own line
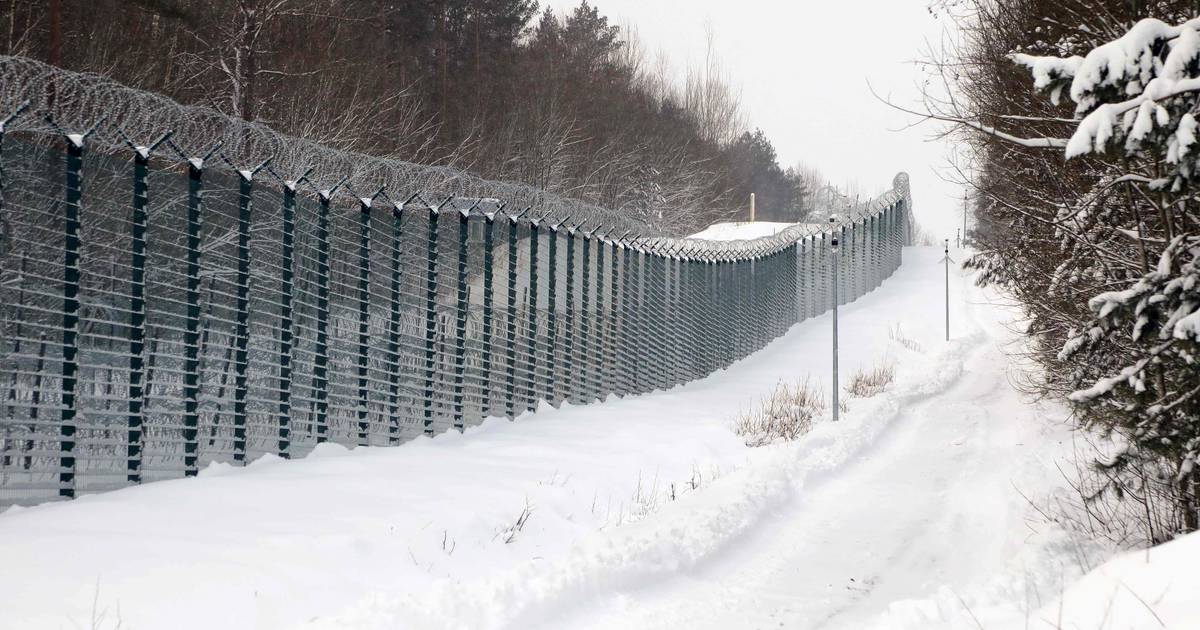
(162, 310)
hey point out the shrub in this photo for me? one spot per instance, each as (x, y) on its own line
(867, 383)
(786, 414)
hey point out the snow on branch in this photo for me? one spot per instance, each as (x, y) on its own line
(1131, 93)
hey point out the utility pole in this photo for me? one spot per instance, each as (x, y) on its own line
(946, 260)
(752, 207)
(834, 252)
(957, 239)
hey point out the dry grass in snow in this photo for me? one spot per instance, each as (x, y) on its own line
(786, 414)
(897, 335)
(867, 383)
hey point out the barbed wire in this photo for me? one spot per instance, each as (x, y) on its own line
(53, 102)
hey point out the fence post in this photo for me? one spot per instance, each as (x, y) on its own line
(616, 295)
(242, 334)
(881, 247)
(431, 256)
(394, 326)
(884, 244)
(666, 267)
(535, 229)
(747, 307)
(571, 380)
(70, 315)
(551, 390)
(679, 314)
(814, 275)
(632, 330)
(801, 252)
(707, 289)
(511, 333)
(712, 313)
(726, 292)
(363, 410)
(287, 289)
(489, 228)
(897, 230)
(687, 279)
(765, 285)
(587, 372)
(191, 334)
(652, 303)
(674, 321)
(893, 238)
(137, 311)
(637, 329)
(321, 360)
(137, 317)
(868, 254)
(864, 267)
(731, 292)
(602, 358)
(700, 308)
(756, 268)
(460, 321)
(661, 262)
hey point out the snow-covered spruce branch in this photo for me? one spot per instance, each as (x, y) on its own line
(1134, 364)
(1154, 64)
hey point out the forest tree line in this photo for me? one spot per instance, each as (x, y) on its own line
(503, 88)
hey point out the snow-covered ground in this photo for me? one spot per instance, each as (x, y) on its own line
(644, 512)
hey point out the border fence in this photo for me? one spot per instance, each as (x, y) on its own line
(175, 294)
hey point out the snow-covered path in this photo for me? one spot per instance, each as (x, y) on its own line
(932, 504)
(641, 512)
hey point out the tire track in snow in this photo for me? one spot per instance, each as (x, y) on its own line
(927, 503)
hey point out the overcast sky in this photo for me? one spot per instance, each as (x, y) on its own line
(803, 67)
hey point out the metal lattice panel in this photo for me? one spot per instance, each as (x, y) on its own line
(162, 308)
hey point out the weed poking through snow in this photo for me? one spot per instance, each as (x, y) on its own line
(867, 383)
(897, 335)
(786, 414)
(509, 534)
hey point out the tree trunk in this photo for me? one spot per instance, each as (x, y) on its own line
(250, 27)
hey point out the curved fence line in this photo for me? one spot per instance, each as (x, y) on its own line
(163, 308)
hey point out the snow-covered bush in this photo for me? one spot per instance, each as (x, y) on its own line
(1136, 100)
